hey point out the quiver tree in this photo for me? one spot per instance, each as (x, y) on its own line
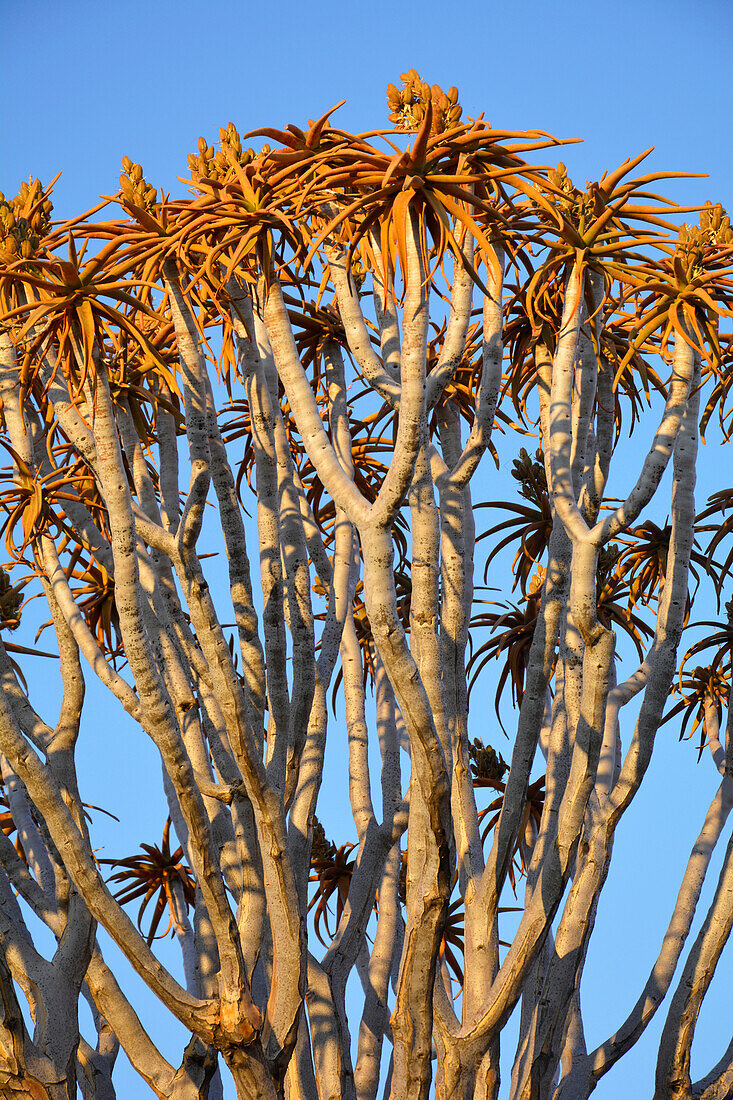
(337, 323)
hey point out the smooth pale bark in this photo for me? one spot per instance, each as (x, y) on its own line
(357, 334)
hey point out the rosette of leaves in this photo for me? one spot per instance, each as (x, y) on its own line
(634, 376)
(239, 223)
(642, 561)
(152, 874)
(512, 629)
(95, 598)
(717, 506)
(446, 183)
(72, 305)
(144, 381)
(531, 523)
(720, 640)
(703, 692)
(314, 327)
(600, 229)
(452, 946)
(461, 392)
(528, 827)
(706, 690)
(33, 504)
(299, 152)
(331, 870)
(685, 295)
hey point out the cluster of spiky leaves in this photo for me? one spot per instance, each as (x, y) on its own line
(151, 874)
(704, 690)
(331, 870)
(531, 525)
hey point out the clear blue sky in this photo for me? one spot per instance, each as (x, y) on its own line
(85, 82)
